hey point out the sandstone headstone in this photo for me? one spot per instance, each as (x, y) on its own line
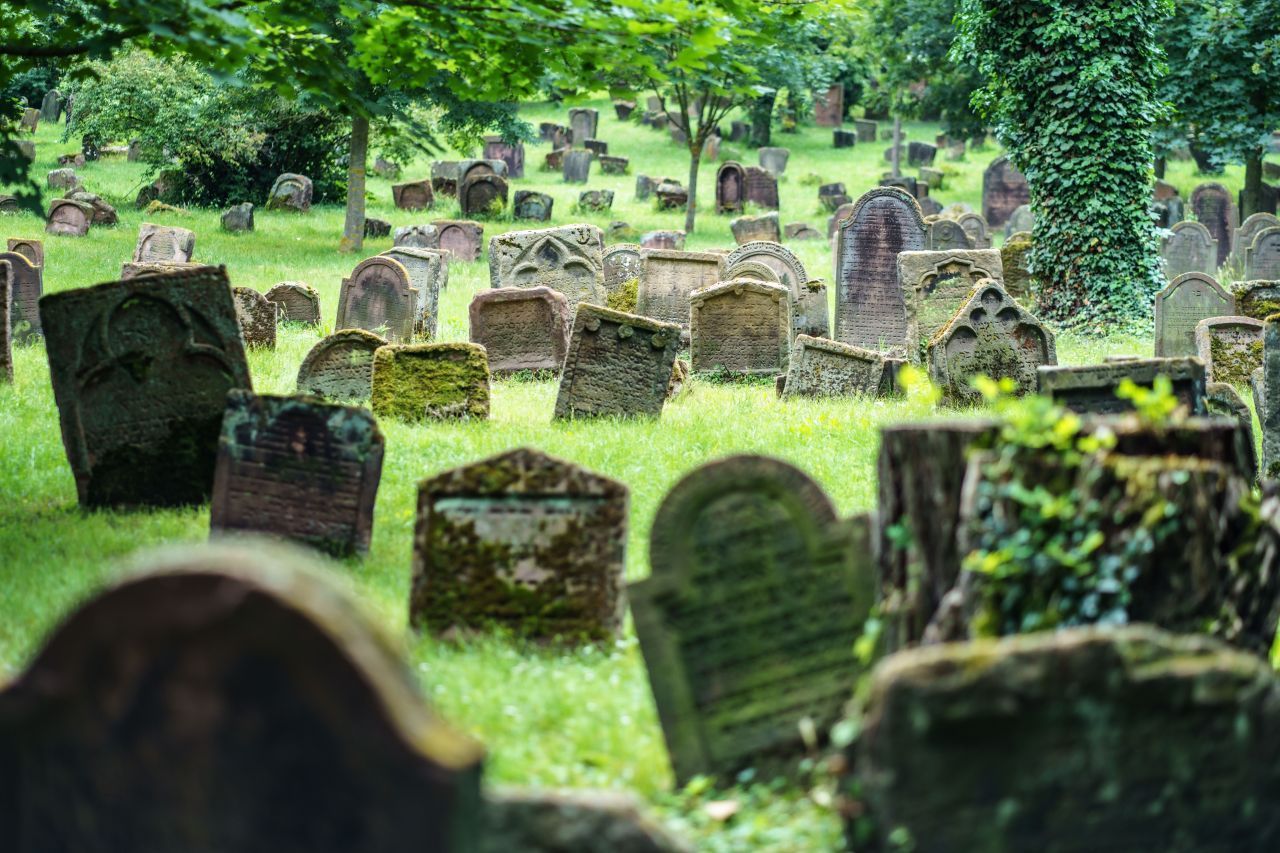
(583, 123)
(483, 195)
(554, 160)
(257, 317)
(617, 365)
(103, 213)
(511, 153)
(1214, 208)
(291, 192)
(844, 211)
(428, 275)
(1262, 258)
(669, 277)
(567, 259)
(521, 328)
(1230, 347)
(462, 239)
(740, 327)
(819, 367)
(828, 107)
(62, 179)
(1256, 299)
(340, 366)
(774, 160)
(1189, 248)
(380, 298)
(577, 166)
(808, 298)
(26, 286)
(417, 237)
(936, 285)
(413, 195)
(30, 120)
(662, 240)
(140, 372)
(762, 187)
(32, 250)
(68, 218)
(238, 218)
(833, 196)
(296, 302)
(623, 109)
(163, 244)
(731, 187)
(1004, 190)
(422, 382)
(868, 131)
(623, 269)
(1091, 389)
(532, 205)
(801, 231)
(468, 169)
(444, 178)
(1184, 302)
(614, 165)
(748, 229)
(134, 270)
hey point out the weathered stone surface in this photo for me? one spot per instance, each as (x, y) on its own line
(1230, 347)
(413, 195)
(378, 297)
(740, 327)
(340, 366)
(62, 179)
(6, 334)
(554, 160)
(824, 368)
(976, 228)
(801, 231)
(1004, 189)
(868, 131)
(946, 235)
(511, 153)
(482, 195)
(620, 232)
(1214, 208)
(297, 468)
(1189, 248)
(595, 201)
(1015, 258)
(644, 187)
(808, 298)
(140, 372)
(1245, 234)
(669, 277)
(870, 309)
(662, 240)
(1021, 221)
(385, 168)
(1184, 302)
(933, 178)
(617, 365)
(762, 187)
(1223, 400)
(103, 213)
(577, 166)
(1092, 388)
(567, 259)
(843, 138)
(731, 187)
(238, 218)
(296, 302)
(68, 218)
(229, 699)
(774, 160)
(738, 548)
(163, 244)
(1262, 258)
(582, 822)
(421, 382)
(671, 195)
(521, 328)
(1124, 713)
(291, 192)
(596, 146)
(428, 275)
(611, 165)
(417, 237)
(920, 154)
(991, 335)
(257, 317)
(26, 286)
(32, 250)
(935, 285)
(444, 178)
(1267, 402)
(623, 269)
(583, 121)
(51, 106)
(532, 205)
(524, 542)
(376, 228)
(462, 239)
(750, 229)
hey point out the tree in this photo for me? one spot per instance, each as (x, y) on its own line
(796, 61)
(1070, 89)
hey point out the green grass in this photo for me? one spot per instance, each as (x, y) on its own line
(548, 718)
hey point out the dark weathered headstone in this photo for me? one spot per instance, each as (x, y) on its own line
(1223, 400)
(583, 122)
(163, 244)
(26, 286)
(428, 275)
(731, 188)
(774, 160)
(511, 153)
(740, 327)
(468, 169)
(532, 205)
(843, 138)
(749, 229)
(669, 277)
(299, 469)
(444, 178)
(32, 250)
(238, 218)
(1091, 389)
(413, 195)
(835, 219)
(521, 328)
(596, 146)
(340, 366)
(595, 201)
(1214, 208)
(946, 235)
(920, 154)
(554, 160)
(614, 165)
(422, 382)
(936, 285)
(68, 218)
(296, 302)
(1189, 248)
(577, 166)
(623, 109)
(1256, 299)
(1022, 220)
(833, 196)
(140, 372)
(762, 188)
(1184, 302)
(1244, 235)
(291, 192)
(567, 259)
(51, 106)
(378, 297)
(819, 367)
(417, 237)
(257, 317)
(103, 213)
(757, 594)
(868, 131)
(375, 228)
(62, 179)
(483, 195)
(644, 187)
(1230, 347)
(617, 365)
(1004, 190)
(1262, 257)
(671, 196)
(462, 239)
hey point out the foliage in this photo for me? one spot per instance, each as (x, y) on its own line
(1070, 89)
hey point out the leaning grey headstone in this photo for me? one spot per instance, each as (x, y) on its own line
(1184, 302)
(1023, 219)
(428, 275)
(1091, 389)
(774, 160)
(238, 218)
(291, 192)
(163, 244)
(1245, 234)
(532, 205)
(1262, 258)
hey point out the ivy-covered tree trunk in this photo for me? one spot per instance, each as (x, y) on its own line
(761, 113)
(353, 228)
(1071, 92)
(1251, 196)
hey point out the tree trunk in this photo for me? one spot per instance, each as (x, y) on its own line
(1161, 162)
(353, 229)
(1251, 196)
(762, 119)
(897, 147)
(695, 158)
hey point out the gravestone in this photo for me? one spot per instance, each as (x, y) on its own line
(819, 367)
(291, 192)
(468, 169)
(597, 147)
(774, 160)
(610, 165)
(62, 179)
(762, 188)
(740, 327)
(577, 166)
(532, 205)
(623, 109)
(68, 218)
(483, 195)
(140, 372)
(801, 231)
(993, 336)
(51, 106)
(1004, 190)
(976, 228)
(936, 285)
(567, 259)
(946, 235)
(868, 131)
(524, 542)
(617, 365)
(662, 240)
(731, 188)
(1015, 257)
(30, 120)
(932, 178)
(521, 328)
(583, 122)
(299, 469)
(554, 160)
(1230, 347)
(1167, 204)
(1214, 208)
(828, 107)
(1184, 302)
(238, 218)
(229, 698)
(920, 154)
(413, 195)
(844, 211)
(1091, 389)
(671, 195)
(1022, 220)
(511, 153)
(444, 178)
(1223, 400)
(623, 269)
(1256, 299)
(644, 187)
(163, 244)
(428, 275)
(750, 229)
(340, 366)
(1189, 248)
(808, 298)
(257, 317)
(32, 250)
(870, 309)
(1249, 229)
(385, 168)
(1262, 258)
(1267, 402)
(131, 270)
(26, 286)
(833, 196)
(757, 594)
(103, 213)
(595, 201)
(843, 138)
(417, 237)
(462, 239)
(423, 382)
(669, 277)
(378, 297)
(296, 302)
(375, 228)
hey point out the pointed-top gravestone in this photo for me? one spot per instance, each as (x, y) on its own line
(1214, 208)
(378, 297)
(1262, 258)
(1189, 248)
(1184, 302)
(340, 366)
(567, 259)
(1230, 347)
(1004, 190)
(140, 372)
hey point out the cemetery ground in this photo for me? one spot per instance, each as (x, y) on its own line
(548, 717)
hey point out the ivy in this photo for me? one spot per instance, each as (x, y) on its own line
(1071, 92)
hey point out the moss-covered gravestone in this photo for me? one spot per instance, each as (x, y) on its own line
(228, 699)
(1184, 302)
(140, 372)
(296, 302)
(257, 317)
(26, 281)
(748, 619)
(1015, 258)
(430, 382)
(1256, 299)
(521, 328)
(291, 192)
(1262, 258)
(1266, 397)
(160, 244)
(379, 297)
(740, 327)
(1092, 388)
(823, 368)
(623, 269)
(618, 364)
(937, 284)
(1230, 347)
(522, 542)
(340, 366)
(297, 468)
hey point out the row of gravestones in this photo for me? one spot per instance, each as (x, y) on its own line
(1253, 251)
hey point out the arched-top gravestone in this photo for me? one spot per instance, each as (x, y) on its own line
(731, 188)
(1184, 302)
(26, 286)
(428, 276)
(291, 192)
(1245, 234)
(163, 244)
(623, 263)
(808, 300)
(935, 285)
(1189, 248)
(1262, 258)
(1214, 208)
(947, 235)
(583, 121)
(762, 187)
(340, 366)
(228, 700)
(756, 596)
(68, 218)
(378, 297)
(482, 195)
(32, 250)
(460, 238)
(568, 259)
(1004, 190)
(532, 205)
(413, 195)
(870, 309)
(976, 227)
(296, 302)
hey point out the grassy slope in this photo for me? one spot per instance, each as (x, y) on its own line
(580, 718)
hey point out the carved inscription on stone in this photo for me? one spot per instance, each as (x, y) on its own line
(1230, 347)
(521, 328)
(1216, 210)
(462, 239)
(340, 366)
(669, 277)
(1262, 258)
(296, 302)
(617, 364)
(378, 298)
(163, 244)
(567, 259)
(740, 327)
(823, 368)
(257, 317)
(428, 275)
(1184, 302)
(936, 284)
(26, 286)
(1189, 248)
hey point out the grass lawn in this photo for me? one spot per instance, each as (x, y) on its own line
(548, 717)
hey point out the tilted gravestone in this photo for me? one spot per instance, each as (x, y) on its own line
(511, 153)
(671, 195)
(870, 309)
(824, 368)
(554, 160)
(421, 382)
(413, 195)
(868, 131)
(6, 333)
(617, 365)
(340, 366)
(1230, 347)
(291, 192)
(62, 179)
(162, 244)
(1091, 389)
(521, 541)
(299, 469)
(945, 235)
(229, 699)
(417, 237)
(992, 336)
(740, 327)
(1256, 299)
(731, 188)
(32, 250)
(469, 169)
(521, 328)
(26, 286)
(1189, 248)
(756, 597)
(1262, 258)
(239, 218)
(623, 269)
(68, 218)
(842, 213)
(375, 228)
(976, 227)
(577, 166)
(762, 188)
(583, 122)
(935, 285)
(669, 277)
(920, 154)
(462, 239)
(1266, 399)
(131, 270)
(378, 297)
(1184, 302)
(567, 259)
(752, 229)
(808, 298)
(1245, 234)
(257, 317)
(444, 178)
(801, 231)
(140, 372)
(1004, 189)
(532, 205)
(1214, 208)
(428, 275)
(774, 160)
(483, 195)
(296, 302)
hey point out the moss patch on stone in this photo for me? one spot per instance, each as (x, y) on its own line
(430, 381)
